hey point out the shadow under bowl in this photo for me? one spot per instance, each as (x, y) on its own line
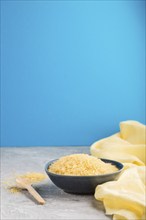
(82, 184)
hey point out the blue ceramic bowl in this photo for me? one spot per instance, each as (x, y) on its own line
(82, 184)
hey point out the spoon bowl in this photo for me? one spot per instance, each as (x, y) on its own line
(25, 184)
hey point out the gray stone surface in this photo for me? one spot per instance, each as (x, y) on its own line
(59, 205)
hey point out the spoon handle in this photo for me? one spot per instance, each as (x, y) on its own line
(35, 194)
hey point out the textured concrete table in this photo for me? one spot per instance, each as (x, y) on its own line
(59, 205)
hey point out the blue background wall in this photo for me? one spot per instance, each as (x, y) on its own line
(70, 71)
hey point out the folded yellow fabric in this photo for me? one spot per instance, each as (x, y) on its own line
(126, 146)
(124, 198)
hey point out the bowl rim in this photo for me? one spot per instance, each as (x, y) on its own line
(89, 176)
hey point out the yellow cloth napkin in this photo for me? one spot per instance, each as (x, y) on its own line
(124, 198)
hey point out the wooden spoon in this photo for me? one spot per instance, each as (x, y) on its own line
(24, 184)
